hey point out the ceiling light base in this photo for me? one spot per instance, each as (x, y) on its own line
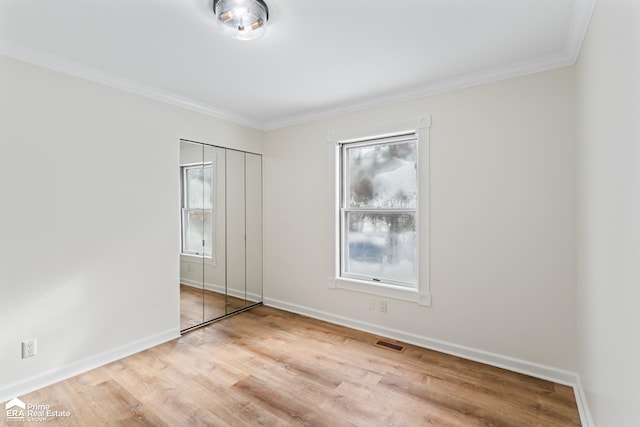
(242, 19)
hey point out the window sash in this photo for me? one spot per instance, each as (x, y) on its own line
(185, 214)
(186, 191)
(370, 251)
(345, 210)
(203, 241)
(345, 176)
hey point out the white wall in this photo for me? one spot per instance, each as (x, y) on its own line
(89, 218)
(608, 89)
(502, 219)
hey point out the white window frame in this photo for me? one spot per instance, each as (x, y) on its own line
(345, 209)
(193, 256)
(419, 294)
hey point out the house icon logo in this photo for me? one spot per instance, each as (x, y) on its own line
(15, 409)
(15, 402)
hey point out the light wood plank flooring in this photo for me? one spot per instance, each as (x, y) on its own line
(197, 304)
(269, 367)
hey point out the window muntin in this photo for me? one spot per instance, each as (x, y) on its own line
(378, 215)
(197, 210)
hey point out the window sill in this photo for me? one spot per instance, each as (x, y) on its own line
(389, 291)
(195, 259)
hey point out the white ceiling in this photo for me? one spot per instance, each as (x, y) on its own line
(319, 57)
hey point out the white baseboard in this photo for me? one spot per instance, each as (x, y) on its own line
(62, 373)
(560, 376)
(533, 369)
(221, 290)
(583, 407)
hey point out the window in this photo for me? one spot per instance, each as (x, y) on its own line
(379, 211)
(197, 210)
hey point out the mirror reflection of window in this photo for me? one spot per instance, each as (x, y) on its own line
(197, 210)
(220, 248)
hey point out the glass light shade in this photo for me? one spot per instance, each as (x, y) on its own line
(242, 19)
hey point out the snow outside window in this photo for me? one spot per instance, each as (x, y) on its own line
(379, 211)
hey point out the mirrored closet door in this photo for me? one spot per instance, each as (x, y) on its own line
(221, 232)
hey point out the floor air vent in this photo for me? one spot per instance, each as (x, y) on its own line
(390, 346)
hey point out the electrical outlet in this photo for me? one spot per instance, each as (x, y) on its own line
(29, 348)
(383, 306)
(372, 304)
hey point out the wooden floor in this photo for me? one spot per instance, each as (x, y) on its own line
(269, 367)
(198, 305)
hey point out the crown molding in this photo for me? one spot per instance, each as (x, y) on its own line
(580, 19)
(582, 12)
(85, 72)
(470, 80)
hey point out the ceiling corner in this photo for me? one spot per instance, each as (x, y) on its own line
(582, 12)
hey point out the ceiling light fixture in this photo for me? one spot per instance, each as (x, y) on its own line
(242, 19)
